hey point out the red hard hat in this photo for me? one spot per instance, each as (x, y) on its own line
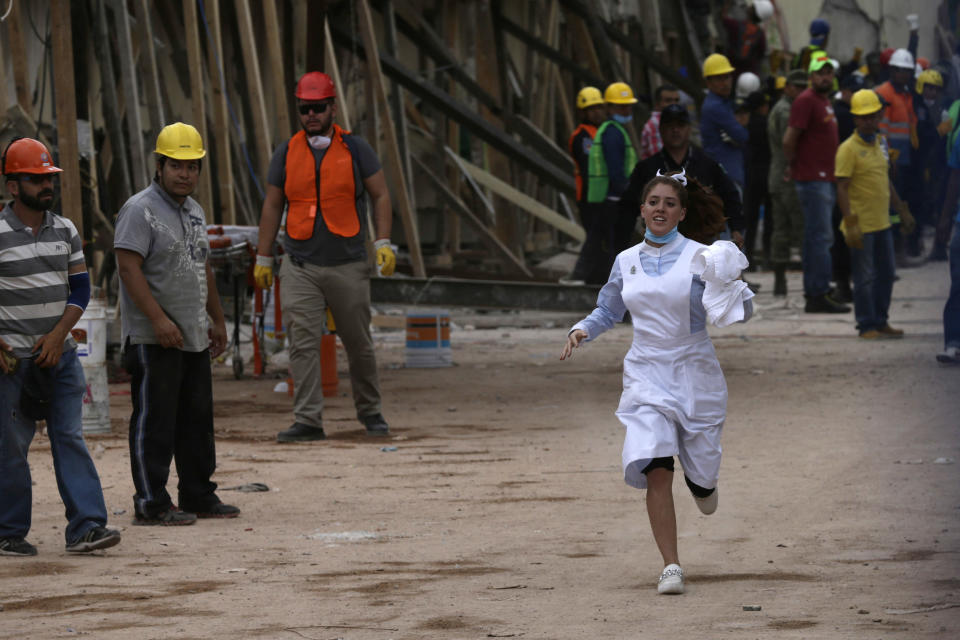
(26, 155)
(885, 55)
(315, 85)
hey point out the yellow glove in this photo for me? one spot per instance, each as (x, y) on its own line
(852, 233)
(945, 127)
(386, 259)
(263, 272)
(907, 223)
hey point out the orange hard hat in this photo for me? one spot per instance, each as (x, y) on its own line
(26, 155)
(315, 85)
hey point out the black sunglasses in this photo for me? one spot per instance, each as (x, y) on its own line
(316, 107)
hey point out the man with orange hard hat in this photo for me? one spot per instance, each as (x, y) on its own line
(44, 289)
(322, 174)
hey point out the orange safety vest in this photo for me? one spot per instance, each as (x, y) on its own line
(898, 118)
(335, 188)
(591, 131)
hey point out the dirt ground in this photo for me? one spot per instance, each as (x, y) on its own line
(502, 512)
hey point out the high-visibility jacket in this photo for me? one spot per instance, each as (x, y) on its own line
(332, 190)
(579, 146)
(598, 180)
(899, 123)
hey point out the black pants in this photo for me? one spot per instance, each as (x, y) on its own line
(172, 418)
(601, 246)
(755, 195)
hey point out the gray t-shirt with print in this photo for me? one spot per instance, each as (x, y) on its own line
(172, 239)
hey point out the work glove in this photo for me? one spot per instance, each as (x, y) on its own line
(914, 138)
(263, 272)
(907, 222)
(913, 20)
(386, 258)
(852, 233)
(945, 127)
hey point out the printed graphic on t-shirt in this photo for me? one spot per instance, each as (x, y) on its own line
(188, 255)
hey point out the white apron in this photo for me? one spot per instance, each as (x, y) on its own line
(674, 397)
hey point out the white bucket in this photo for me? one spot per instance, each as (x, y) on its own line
(90, 333)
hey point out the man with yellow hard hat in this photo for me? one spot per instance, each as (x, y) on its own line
(864, 193)
(172, 325)
(611, 160)
(592, 112)
(723, 132)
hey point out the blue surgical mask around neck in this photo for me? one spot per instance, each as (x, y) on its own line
(622, 119)
(664, 239)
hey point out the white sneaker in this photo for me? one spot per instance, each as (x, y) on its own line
(709, 504)
(950, 355)
(671, 580)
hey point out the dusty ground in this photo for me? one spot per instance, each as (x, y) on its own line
(502, 512)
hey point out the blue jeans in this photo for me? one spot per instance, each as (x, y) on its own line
(816, 199)
(873, 272)
(77, 478)
(951, 311)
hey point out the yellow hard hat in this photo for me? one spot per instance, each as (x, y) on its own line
(781, 82)
(588, 97)
(716, 65)
(619, 93)
(865, 102)
(930, 76)
(181, 142)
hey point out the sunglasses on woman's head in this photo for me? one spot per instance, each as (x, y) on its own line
(316, 107)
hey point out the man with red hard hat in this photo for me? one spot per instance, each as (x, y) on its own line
(44, 289)
(321, 174)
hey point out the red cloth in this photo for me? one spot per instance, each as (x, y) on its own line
(817, 146)
(650, 141)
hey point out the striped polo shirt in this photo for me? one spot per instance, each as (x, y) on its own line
(33, 277)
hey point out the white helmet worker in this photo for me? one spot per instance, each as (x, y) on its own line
(747, 83)
(764, 9)
(901, 58)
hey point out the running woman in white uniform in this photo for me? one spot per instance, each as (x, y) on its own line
(674, 399)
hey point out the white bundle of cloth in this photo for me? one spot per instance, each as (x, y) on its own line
(719, 266)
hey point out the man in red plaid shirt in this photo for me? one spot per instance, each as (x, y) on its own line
(650, 141)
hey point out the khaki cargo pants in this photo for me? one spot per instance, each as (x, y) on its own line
(306, 291)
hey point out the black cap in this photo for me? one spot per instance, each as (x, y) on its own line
(797, 77)
(674, 114)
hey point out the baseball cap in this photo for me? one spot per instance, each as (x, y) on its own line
(674, 114)
(821, 60)
(797, 77)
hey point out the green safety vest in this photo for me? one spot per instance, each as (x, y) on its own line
(954, 115)
(598, 181)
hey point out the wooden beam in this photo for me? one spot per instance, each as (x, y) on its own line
(4, 86)
(463, 211)
(131, 95)
(396, 101)
(343, 105)
(111, 106)
(281, 91)
(154, 99)
(467, 117)
(258, 107)
(394, 161)
(525, 202)
(66, 101)
(582, 73)
(18, 54)
(221, 119)
(191, 29)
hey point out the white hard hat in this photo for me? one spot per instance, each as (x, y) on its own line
(901, 58)
(747, 83)
(764, 9)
